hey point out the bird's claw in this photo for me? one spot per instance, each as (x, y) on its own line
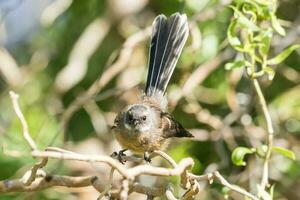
(147, 157)
(119, 155)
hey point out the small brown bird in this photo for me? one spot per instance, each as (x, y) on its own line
(146, 126)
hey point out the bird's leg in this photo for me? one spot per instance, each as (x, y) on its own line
(119, 155)
(147, 156)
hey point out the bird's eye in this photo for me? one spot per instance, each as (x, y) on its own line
(144, 118)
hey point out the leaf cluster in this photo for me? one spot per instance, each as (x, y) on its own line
(250, 33)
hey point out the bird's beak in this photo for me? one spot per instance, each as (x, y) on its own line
(135, 122)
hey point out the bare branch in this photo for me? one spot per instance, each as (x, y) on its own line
(48, 181)
(194, 190)
(169, 193)
(166, 157)
(80, 157)
(232, 187)
(36, 179)
(109, 185)
(124, 190)
(33, 172)
(154, 191)
(184, 165)
(41, 183)
(14, 97)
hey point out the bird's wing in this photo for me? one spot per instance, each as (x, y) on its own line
(172, 128)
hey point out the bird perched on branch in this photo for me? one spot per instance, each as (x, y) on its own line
(147, 126)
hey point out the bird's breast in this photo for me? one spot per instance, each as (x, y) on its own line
(139, 142)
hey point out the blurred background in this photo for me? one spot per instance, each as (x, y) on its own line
(76, 63)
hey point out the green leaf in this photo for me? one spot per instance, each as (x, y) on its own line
(262, 2)
(283, 55)
(236, 64)
(285, 152)
(270, 71)
(225, 191)
(250, 8)
(276, 25)
(244, 21)
(272, 191)
(239, 154)
(232, 36)
(265, 40)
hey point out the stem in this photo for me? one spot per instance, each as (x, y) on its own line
(270, 129)
(264, 107)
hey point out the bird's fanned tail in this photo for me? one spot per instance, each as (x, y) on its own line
(168, 39)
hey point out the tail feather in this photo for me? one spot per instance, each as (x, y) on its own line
(168, 39)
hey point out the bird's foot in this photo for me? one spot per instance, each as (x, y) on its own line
(147, 157)
(119, 155)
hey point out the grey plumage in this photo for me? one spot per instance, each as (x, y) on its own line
(168, 39)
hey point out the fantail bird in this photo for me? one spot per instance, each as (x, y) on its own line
(146, 126)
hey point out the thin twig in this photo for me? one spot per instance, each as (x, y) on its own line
(265, 176)
(264, 106)
(210, 177)
(14, 97)
(184, 165)
(124, 190)
(109, 185)
(232, 187)
(166, 157)
(169, 193)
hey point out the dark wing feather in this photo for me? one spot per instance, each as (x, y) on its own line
(172, 128)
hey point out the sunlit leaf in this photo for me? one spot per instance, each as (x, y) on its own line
(262, 2)
(260, 10)
(236, 64)
(244, 21)
(276, 25)
(239, 154)
(272, 191)
(285, 152)
(225, 191)
(250, 8)
(283, 55)
(265, 40)
(232, 36)
(265, 13)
